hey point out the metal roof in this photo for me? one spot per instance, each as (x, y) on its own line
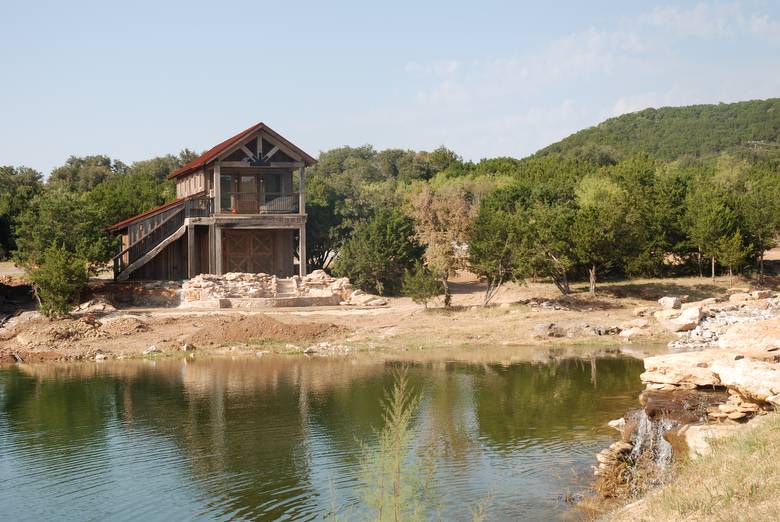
(213, 153)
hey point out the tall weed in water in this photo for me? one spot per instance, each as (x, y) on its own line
(396, 479)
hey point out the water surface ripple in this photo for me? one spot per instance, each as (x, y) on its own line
(279, 438)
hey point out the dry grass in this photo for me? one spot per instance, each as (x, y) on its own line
(738, 481)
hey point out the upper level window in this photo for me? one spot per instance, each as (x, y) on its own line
(226, 189)
(272, 183)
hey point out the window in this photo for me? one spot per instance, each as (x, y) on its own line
(226, 189)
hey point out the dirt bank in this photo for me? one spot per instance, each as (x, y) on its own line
(253, 329)
(521, 315)
(31, 338)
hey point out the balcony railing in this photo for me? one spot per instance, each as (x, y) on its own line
(261, 203)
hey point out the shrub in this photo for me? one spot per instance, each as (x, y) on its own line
(376, 255)
(58, 280)
(421, 284)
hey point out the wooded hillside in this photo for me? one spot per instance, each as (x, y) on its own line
(672, 133)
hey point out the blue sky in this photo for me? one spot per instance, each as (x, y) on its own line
(139, 79)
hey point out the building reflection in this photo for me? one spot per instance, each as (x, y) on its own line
(272, 436)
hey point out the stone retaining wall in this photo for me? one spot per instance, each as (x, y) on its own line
(239, 290)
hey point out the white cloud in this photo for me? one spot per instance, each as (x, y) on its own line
(762, 27)
(712, 21)
(511, 104)
(702, 20)
(441, 68)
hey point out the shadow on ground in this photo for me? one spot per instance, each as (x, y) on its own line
(15, 299)
(653, 291)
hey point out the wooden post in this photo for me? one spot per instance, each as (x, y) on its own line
(218, 250)
(191, 251)
(217, 190)
(301, 195)
(302, 250)
(212, 250)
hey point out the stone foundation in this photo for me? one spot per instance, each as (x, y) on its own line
(242, 290)
(238, 290)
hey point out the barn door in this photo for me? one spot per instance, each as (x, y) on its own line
(249, 251)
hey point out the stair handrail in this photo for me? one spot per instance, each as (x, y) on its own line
(154, 229)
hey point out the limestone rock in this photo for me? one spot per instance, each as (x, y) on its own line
(152, 349)
(670, 302)
(688, 319)
(755, 380)
(548, 330)
(740, 297)
(758, 336)
(360, 298)
(680, 320)
(97, 305)
(697, 437)
(682, 368)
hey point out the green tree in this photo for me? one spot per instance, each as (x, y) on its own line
(377, 254)
(82, 174)
(126, 195)
(708, 217)
(64, 219)
(551, 243)
(599, 226)
(18, 187)
(732, 252)
(498, 250)
(58, 280)
(759, 209)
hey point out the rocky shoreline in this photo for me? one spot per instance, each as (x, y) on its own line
(723, 373)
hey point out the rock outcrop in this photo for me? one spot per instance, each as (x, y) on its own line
(680, 320)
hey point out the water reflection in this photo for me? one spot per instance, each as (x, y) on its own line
(278, 437)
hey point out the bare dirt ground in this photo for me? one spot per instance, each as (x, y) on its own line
(8, 269)
(521, 315)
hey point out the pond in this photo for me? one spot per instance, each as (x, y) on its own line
(281, 437)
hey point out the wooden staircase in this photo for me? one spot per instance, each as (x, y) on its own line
(156, 239)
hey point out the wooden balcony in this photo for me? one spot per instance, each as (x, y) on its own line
(260, 203)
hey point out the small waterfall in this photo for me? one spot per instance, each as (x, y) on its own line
(649, 440)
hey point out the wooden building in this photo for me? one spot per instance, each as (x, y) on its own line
(240, 207)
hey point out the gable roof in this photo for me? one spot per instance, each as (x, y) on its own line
(213, 153)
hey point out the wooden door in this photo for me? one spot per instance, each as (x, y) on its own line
(249, 251)
(247, 194)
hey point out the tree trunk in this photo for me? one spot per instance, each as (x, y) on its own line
(492, 289)
(731, 277)
(562, 284)
(761, 268)
(713, 268)
(447, 295)
(592, 274)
